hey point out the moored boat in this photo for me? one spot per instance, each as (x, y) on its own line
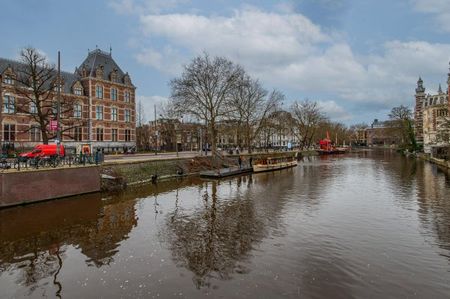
(327, 147)
(274, 163)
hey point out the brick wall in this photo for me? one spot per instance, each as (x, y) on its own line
(37, 185)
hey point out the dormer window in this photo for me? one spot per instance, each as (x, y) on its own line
(99, 72)
(114, 77)
(126, 79)
(8, 80)
(57, 88)
(78, 91)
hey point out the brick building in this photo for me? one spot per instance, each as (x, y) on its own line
(103, 98)
(432, 117)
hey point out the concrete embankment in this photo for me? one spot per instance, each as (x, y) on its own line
(136, 172)
(445, 164)
(29, 186)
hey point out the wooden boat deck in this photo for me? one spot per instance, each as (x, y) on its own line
(225, 172)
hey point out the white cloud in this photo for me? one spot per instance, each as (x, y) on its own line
(439, 8)
(287, 50)
(144, 6)
(334, 111)
(168, 60)
(149, 103)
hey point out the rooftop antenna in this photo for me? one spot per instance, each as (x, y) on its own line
(110, 50)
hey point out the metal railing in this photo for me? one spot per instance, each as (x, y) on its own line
(21, 164)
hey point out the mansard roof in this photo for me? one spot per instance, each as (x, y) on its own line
(67, 78)
(99, 59)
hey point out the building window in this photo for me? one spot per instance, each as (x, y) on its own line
(78, 91)
(33, 108)
(57, 88)
(78, 134)
(113, 94)
(9, 132)
(99, 91)
(127, 115)
(9, 104)
(35, 133)
(99, 134)
(55, 109)
(114, 135)
(127, 96)
(8, 80)
(114, 114)
(77, 110)
(99, 112)
(127, 135)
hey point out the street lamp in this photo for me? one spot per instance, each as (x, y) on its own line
(58, 109)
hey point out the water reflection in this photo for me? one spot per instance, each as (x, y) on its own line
(370, 224)
(215, 241)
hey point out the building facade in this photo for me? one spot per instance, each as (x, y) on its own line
(432, 122)
(383, 133)
(103, 99)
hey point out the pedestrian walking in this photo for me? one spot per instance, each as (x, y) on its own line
(240, 162)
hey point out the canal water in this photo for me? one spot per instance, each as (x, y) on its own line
(365, 225)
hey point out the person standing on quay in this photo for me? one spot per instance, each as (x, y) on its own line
(240, 162)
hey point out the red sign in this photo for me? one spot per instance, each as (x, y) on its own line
(53, 125)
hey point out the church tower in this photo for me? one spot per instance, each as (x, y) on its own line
(420, 97)
(448, 89)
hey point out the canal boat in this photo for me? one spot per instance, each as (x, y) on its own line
(327, 147)
(274, 163)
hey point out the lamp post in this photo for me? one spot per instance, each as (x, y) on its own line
(58, 108)
(1, 115)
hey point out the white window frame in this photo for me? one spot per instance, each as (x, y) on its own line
(9, 100)
(33, 107)
(114, 116)
(99, 113)
(127, 115)
(113, 94)
(78, 91)
(99, 91)
(77, 113)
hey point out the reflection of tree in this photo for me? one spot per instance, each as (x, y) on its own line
(33, 239)
(211, 241)
(215, 240)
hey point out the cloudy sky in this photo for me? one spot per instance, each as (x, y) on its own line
(357, 58)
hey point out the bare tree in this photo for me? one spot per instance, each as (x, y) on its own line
(402, 123)
(204, 89)
(251, 107)
(307, 118)
(140, 114)
(35, 83)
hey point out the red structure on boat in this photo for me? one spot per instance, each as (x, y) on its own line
(327, 147)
